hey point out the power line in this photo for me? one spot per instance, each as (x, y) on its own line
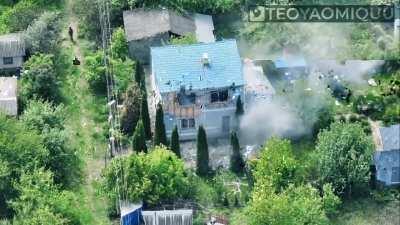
(114, 142)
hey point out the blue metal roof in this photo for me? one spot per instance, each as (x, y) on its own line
(390, 137)
(175, 66)
(292, 62)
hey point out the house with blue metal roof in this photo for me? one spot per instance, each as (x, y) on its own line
(387, 155)
(198, 85)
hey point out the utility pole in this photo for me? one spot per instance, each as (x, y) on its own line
(397, 25)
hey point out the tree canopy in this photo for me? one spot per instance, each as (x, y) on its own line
(131, 111)
(174, 144)
(156, 178)
(43, 34)
(203, 158)
(277, 165)
(345, 153)
(278, 199)
(160, 136)
(39, 79)
(139, 138)
(237, 163)
(18, 153)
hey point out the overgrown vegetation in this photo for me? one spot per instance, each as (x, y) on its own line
(319, 180)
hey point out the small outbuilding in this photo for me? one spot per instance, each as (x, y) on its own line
(387, 155)
(8, 96)
(145, 28)
(12, 52)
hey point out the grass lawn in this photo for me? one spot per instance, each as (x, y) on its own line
(369, 212)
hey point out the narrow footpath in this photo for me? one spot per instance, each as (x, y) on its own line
(84, 111)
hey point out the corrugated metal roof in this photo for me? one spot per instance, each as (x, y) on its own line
(290, 62)
(204, 28)
(144, 23)
(175, 66)
(390, 137)
(12, 45)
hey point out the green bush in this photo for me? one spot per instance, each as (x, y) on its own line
(345, 153)
(39, 80)
(156, 178)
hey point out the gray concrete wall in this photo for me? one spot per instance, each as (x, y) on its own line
(17, 63)
(385, 161)
(140, 49)
(209, 115)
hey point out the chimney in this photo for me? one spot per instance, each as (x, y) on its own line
(205, 60)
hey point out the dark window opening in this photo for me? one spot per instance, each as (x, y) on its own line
(223, 96)
(184, 123)
(219, 96)
(214, 97)
(188, 123)
(191, 123)
(8, 60)
(185, 99)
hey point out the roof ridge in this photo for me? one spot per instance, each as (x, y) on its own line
(195, 44)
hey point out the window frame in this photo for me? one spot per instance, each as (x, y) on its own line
(187, 123)
(191, 123)
(223, 96)
(214, 96)
(219, 96)
(8, 60)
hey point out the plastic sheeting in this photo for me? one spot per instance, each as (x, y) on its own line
(168, 217)
(130, 214)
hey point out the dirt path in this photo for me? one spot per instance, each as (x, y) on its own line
(83, 108)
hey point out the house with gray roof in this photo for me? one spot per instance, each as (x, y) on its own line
(198, 85)
(12, 52)
(145, 28)
(387, 155)
(8, 96)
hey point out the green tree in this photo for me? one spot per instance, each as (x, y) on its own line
(119, 45)
(237, 164)
(239, 107)
(185, 40)
(160, 136)
(175, 147)
(325, 117)
(277, 165)
(139, 138)
(89, 23)
(345, 153)
(95, 72)
(144, 114)
(296, 205)
(203, 167)
(18, 17)
(140, 75)
(330, 200)
(131, 111)
(63, 160)
(156, 178)
(20, 150)
(40, 200)
(42, 35)
(123, 70)
(39, 79)
(41, 114)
